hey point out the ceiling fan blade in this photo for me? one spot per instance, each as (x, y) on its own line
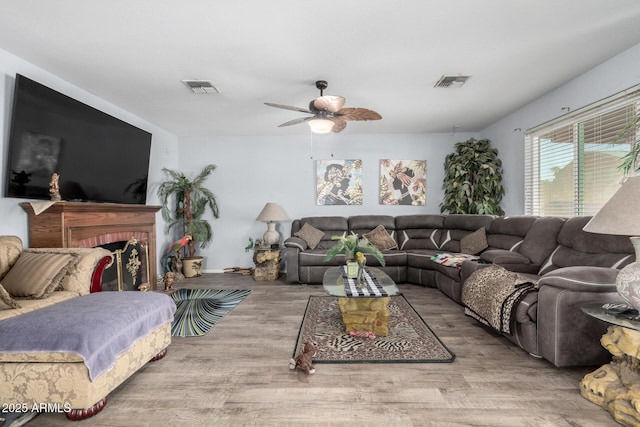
(358, 114)
(296, 121)
(339, 124)
(288, 107)
(329, 102)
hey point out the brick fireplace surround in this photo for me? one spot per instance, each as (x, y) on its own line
(87, 225)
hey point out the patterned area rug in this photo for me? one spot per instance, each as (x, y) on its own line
(199, 309)
(410, 339)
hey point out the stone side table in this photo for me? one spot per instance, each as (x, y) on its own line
(616, 385)
(267, 263)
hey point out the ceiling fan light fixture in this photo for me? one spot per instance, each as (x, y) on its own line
(320, 125)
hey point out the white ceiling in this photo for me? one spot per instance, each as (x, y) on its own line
(379, 54)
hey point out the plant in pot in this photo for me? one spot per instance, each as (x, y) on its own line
(473, 179)
(185, 202)
(350, 246)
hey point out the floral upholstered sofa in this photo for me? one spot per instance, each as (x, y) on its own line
(63, 343)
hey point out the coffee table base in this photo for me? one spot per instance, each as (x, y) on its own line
(365, 314)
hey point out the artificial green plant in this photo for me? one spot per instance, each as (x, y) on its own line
(185, 201)
(350, 245)
(473, 179)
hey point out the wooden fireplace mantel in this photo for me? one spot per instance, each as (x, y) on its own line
(82, 224)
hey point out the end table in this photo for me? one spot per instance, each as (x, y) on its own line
(267, 261)
(616, 385)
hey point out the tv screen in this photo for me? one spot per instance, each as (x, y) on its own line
(98, 157)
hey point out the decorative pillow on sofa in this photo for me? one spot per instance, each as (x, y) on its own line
(380, 238)
(310, 234)
(475, 242)
(10, 250)
(78, 277)
(36, 275)
(6, 298)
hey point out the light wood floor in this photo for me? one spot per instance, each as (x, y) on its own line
(238, 374)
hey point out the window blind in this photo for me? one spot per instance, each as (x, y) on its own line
(572, 163)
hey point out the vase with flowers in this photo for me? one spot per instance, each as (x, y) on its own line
(354, 249)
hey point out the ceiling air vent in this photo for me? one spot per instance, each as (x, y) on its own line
(452, 81)
(201, 86)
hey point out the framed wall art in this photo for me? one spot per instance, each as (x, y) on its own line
(338, 182)
(403, 182)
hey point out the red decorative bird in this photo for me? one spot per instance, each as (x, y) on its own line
(174, 248)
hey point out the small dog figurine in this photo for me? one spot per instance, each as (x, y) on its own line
(169, 277)
(304, 360)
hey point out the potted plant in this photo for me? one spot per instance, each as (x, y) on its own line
(184, 202)
(350, 246)
(473, 179)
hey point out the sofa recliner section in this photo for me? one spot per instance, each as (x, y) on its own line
(572, 267)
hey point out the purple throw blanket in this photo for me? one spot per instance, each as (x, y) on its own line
(98, 327)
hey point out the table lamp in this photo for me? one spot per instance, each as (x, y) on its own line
(620, 215)
(271, 214)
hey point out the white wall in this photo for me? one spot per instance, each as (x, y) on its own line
(610, 77)
(164, 146)
(255, 170)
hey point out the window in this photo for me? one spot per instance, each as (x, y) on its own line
(572, 163)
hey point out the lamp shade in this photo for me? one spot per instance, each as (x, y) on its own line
(621, 214)
(272, 212)
(320, 125)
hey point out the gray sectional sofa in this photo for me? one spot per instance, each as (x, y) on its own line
(572, 267)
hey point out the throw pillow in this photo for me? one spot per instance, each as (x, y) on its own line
(10, 249)
(381, 239)
(310, 234)
(6, 298)
(36, 275)
(78, 278)
(474, 243)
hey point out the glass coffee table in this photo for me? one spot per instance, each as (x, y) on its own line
(362, 313)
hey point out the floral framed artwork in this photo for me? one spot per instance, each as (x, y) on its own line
(403, 182)
(338, 182)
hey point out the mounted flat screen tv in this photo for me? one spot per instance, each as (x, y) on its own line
(98, 157)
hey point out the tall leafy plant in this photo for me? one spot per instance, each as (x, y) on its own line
(473, 179)
(185, 201)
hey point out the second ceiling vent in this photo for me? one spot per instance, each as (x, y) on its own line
(452, 81)
(201, 86)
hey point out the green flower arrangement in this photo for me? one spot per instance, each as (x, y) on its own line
(349, 246)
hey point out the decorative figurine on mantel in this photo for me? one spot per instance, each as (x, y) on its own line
(54, 188)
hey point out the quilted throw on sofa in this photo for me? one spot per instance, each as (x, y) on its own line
(491, 294)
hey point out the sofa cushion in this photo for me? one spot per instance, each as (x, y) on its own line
(419, 231)
(10, 250)
(474, 243)
(37, 274)
(6, 299)
(330, 225)
(580, 248)
(310, 234)
(508, 232)
(30, 304)
(381, 239)
(541, 239)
